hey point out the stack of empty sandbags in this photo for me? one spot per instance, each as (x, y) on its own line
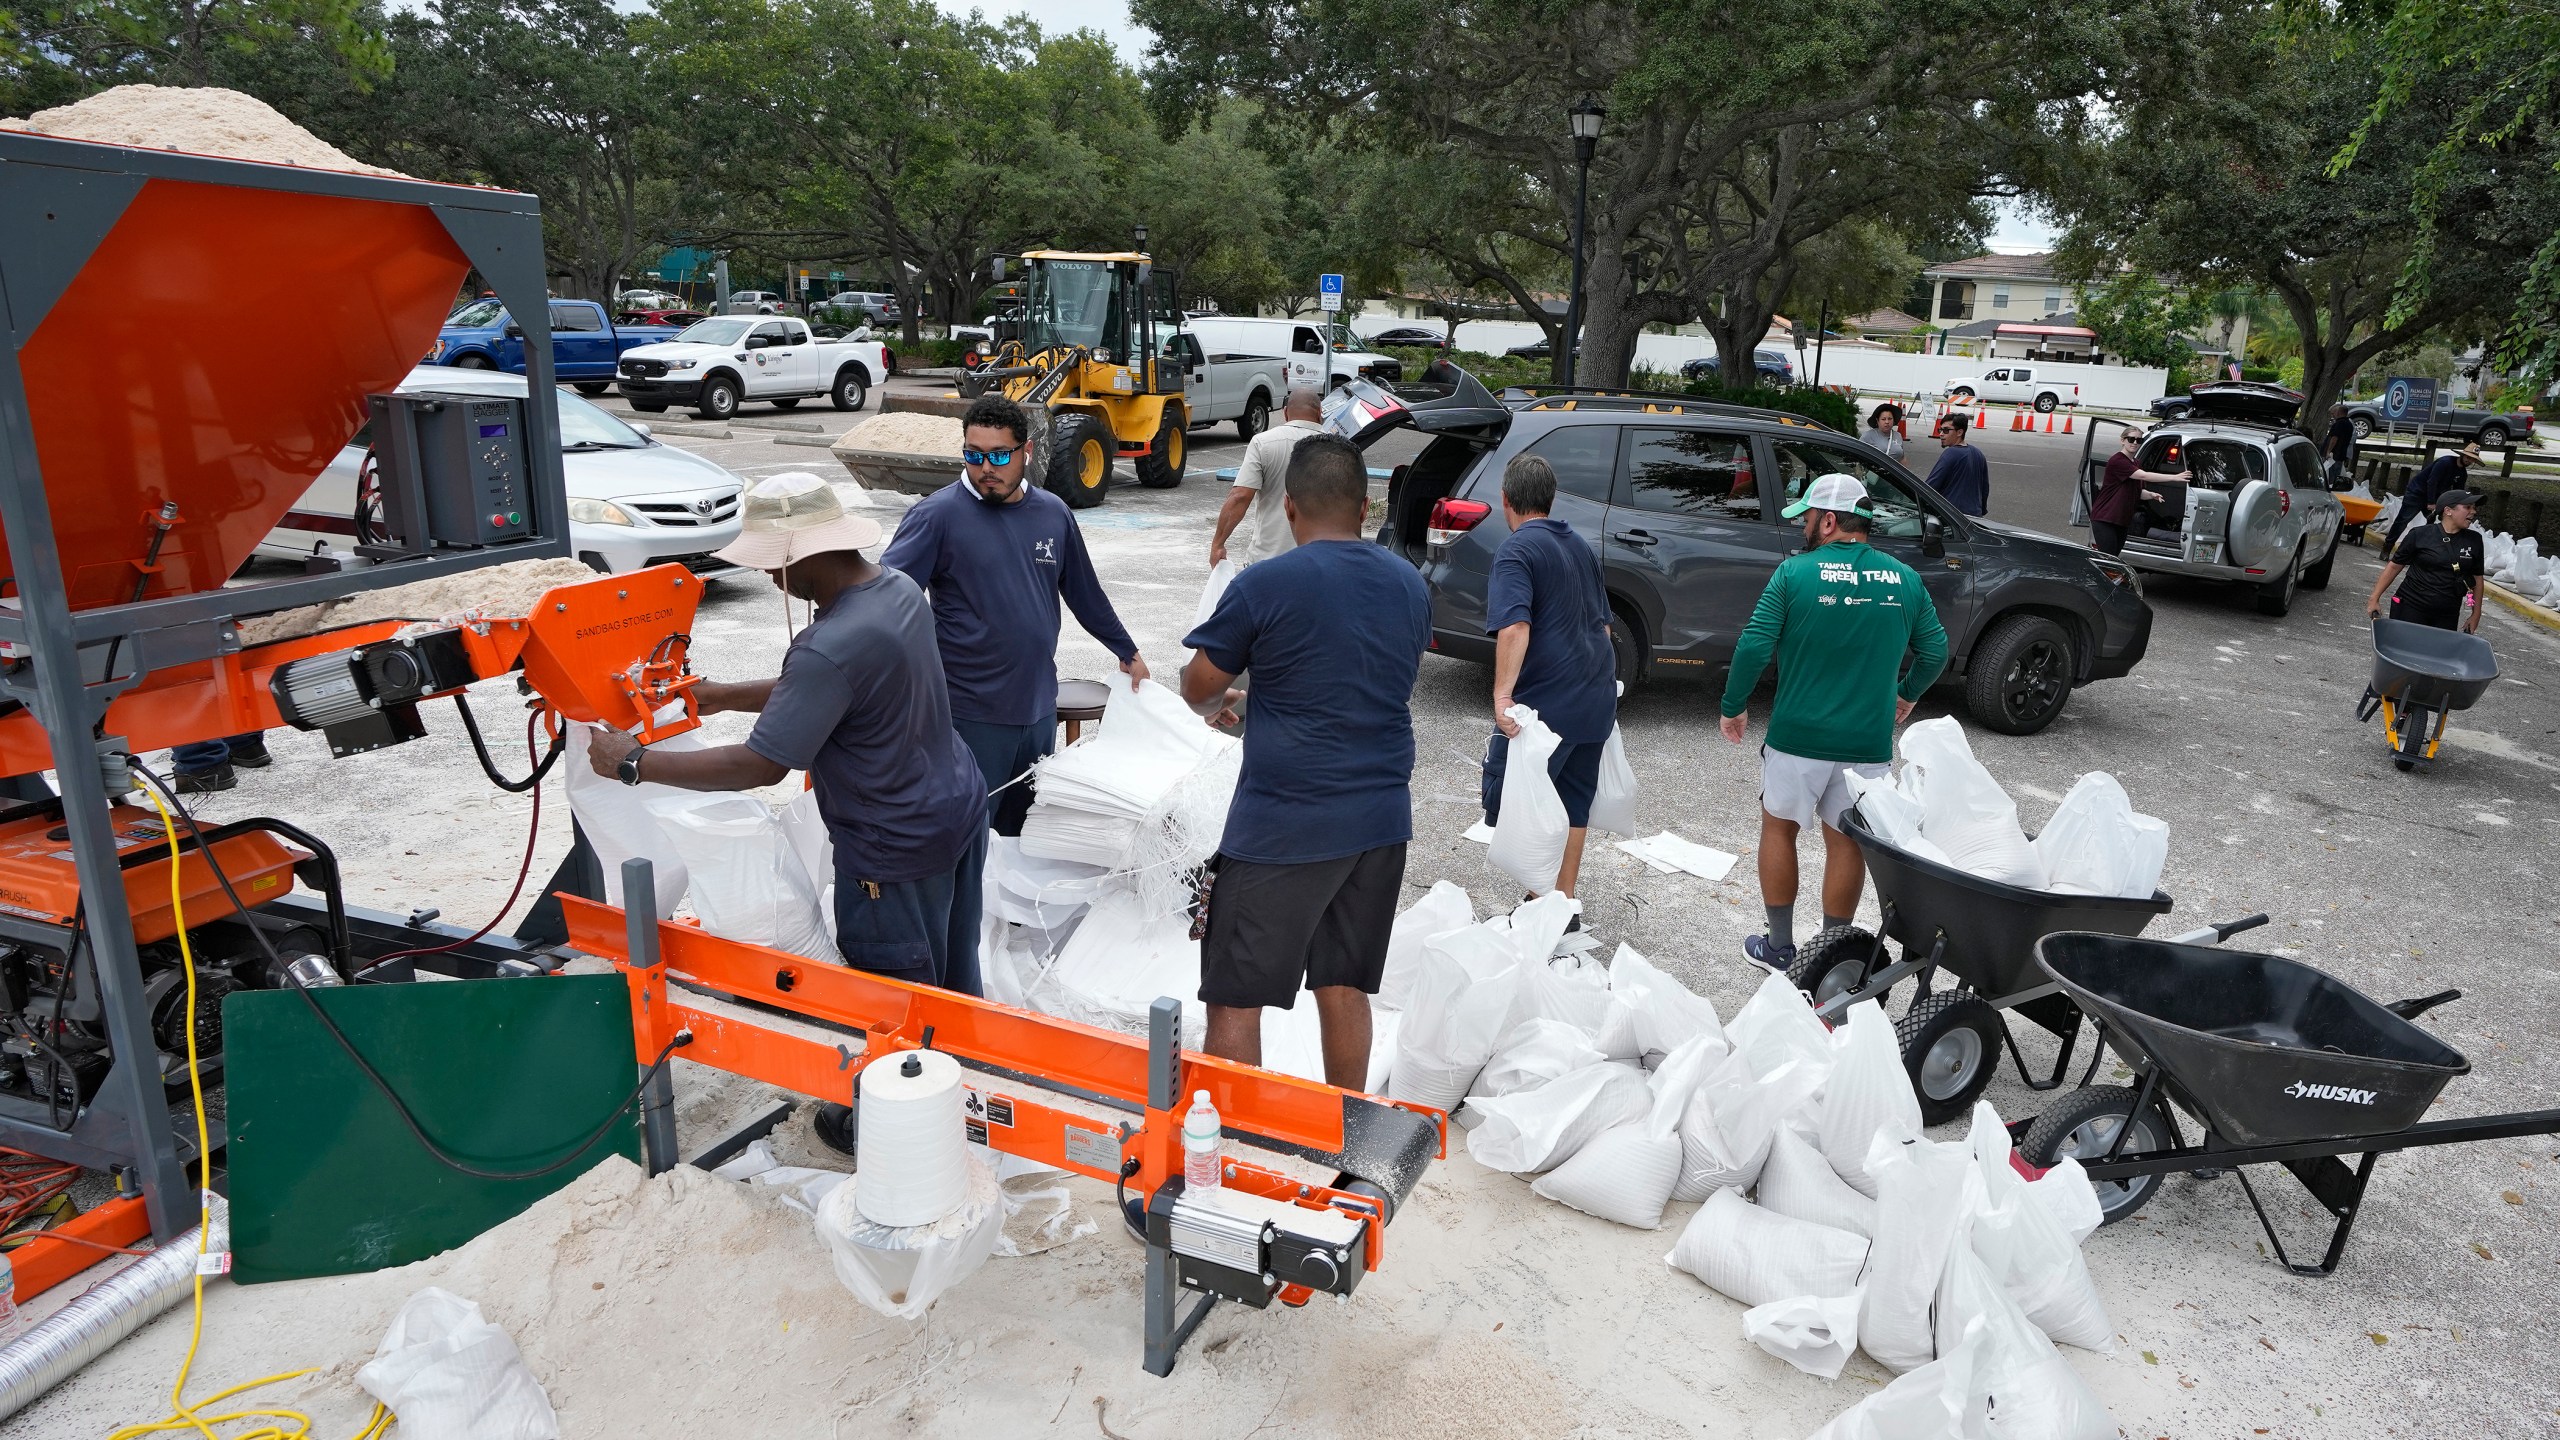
(1945, 806)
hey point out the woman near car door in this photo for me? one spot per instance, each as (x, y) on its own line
(2444, 564)
(2111, 509)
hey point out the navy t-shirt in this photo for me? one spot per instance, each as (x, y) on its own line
(1333, 633)
(860, 706)
(1964, 477)
(1546, 575)
(996, 573)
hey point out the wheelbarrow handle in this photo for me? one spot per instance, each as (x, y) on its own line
(2215, 934)
(2412, 1009)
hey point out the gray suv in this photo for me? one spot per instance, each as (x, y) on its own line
(2258, 510)
(1680, 497)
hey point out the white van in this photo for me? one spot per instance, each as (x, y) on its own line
(1301, 341)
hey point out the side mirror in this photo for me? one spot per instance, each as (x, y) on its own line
(514, 331)
(758, 342)
(644, 431)
(1933, 536)
(995, 268)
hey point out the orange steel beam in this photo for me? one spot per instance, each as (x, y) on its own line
(56, 1255)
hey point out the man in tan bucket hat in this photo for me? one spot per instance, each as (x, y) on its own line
(861, 706)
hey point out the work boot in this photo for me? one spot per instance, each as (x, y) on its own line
(834, 1124)
(251, 754)
(1763, 951)
(205, 782)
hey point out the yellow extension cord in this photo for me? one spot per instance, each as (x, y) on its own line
(279, 1424)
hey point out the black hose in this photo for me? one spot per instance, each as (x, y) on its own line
(407, 1118)
(489, 767)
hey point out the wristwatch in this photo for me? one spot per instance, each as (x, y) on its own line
(628, 771)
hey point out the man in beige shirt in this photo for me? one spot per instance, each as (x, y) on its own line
(1252, 517)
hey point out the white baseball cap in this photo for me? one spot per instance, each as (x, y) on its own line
(791, 517)
(1832, 492)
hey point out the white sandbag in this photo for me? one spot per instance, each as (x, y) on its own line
(2026, 1251)
(1926, 1194)
(1006, 965)
(1121, 958)
(1777, 1025)
(1868, 1091)
(1539, 1129)
(451, 1375)
(1569, 989)
(1453, 1015)
(1756, 1255)
(1796, 1181)
(1942, 1400)
(745, 882)
(1442, 908)
(1627, 1173)
(805, 832)
(2034, 1393)
(1965, 812)
(1384, 1026)
(1652, 1014)
(1528, 842)
(2096, 844)
(1894, 816)
(2066, 1194)
(1532, 1053)
(1814, 1333)
(1732, 1122)
(901, 1272)
(1613, 803)
(618, 822)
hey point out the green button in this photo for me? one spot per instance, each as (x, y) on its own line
(514, 519)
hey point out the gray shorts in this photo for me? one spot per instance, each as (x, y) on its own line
(1797, 789)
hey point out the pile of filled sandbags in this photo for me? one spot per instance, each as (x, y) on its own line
(1943, 805)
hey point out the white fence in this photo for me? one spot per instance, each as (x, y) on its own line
(1883, 372)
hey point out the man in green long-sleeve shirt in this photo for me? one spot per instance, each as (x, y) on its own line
(1839, 619)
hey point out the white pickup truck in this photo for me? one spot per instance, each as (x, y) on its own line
(2014, 385)
(1220, 386)
(716, 365)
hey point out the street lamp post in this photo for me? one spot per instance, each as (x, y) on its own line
(1585, 117)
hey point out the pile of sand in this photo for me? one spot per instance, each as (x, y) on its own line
(501, 591)
(196, 121)
(901, 432)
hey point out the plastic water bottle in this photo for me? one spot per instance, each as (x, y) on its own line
(1202, 1168)
(10, 1323)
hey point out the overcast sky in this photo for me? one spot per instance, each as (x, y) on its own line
(2014, 231)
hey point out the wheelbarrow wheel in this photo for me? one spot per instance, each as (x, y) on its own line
(1833, 963)
(2083, 1126)
(2399, 764)
(1951, 1045)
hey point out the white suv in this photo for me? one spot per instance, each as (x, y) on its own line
(2013, 385)
(2257, 510)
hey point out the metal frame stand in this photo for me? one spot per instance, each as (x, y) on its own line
(1167, 1326)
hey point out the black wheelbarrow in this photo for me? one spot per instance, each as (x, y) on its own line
(2421, 675)
(1981, 934)
(2277, 1062)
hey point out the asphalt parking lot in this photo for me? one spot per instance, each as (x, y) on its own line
(2239, 731)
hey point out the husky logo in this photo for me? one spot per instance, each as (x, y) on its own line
(2303, 1090)
(1045, 550)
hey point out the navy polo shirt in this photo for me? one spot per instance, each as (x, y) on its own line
(1546, 575)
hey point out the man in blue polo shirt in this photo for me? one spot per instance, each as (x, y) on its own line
(1308, 872)
(997, 553)
(1549, 616)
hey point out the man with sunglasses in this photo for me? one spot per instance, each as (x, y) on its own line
(998, 554)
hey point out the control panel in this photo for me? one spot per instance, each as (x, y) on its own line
(452, 470)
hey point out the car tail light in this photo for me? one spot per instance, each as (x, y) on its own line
(2285, 507)
(1453, 518)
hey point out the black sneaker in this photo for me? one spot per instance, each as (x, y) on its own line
(251, 754)
(205, 782)
(834, 1124)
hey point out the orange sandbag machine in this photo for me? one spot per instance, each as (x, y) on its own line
(140, 463)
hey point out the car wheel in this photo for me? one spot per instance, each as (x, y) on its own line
(1161, 467)
(1080, 450)
(2317, 577)
(2045, 403)
(719, 398)
(1961, 392)
(1951, 1045)
(1256, 417)
(2020, 675)
(2275, 597)
(849, 391)
(473, 362)
(650, 407)
(787, 402)
(2493, 436)
(2362, 425)
(2084, 1125)
(594, 387)
(1626, 648)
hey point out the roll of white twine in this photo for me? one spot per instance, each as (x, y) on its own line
(915, 1146)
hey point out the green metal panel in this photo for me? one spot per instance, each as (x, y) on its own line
(505, 1074)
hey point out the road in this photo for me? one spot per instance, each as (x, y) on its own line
(2239, 731)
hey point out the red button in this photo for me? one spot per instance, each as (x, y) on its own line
(498, 520)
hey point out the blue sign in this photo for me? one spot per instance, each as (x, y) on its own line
(2409, 397)
(1328, 284)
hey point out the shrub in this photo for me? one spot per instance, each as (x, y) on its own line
(1837, 411)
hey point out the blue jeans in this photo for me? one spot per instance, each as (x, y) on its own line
(924, 931)
(203, 757)
(1003, 752)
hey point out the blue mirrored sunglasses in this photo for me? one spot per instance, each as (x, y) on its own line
(997, 458)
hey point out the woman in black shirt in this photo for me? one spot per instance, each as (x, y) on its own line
(2443, 562)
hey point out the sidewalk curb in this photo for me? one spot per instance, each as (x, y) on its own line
(2540, 615)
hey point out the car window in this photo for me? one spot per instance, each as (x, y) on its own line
(795, 333)
(1997, 375)
(773, 333)
(1585, 458)
(723, 331)
(477, 315)
(1693, 472)
(582, 423)
(1306, 342)
(2301, 468)
(1898, 504)
(2022, 374)
(2216, 464)
(575, 319)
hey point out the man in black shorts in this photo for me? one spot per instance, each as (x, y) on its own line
(1309, 870)
(2443, 562)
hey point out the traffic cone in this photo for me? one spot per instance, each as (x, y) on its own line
(2066, 422)
(2018, 420)
(2048, 422)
